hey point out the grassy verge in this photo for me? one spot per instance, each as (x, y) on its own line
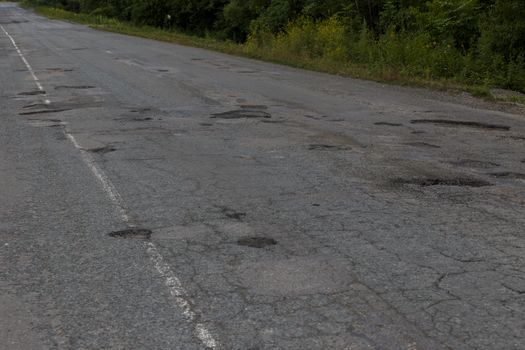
(275, 54)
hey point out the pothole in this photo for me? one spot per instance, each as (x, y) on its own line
(232, 214)
(461, 123)
(45, 111)
(59, 69)
(205, 124)
(471, 163)
(327, 147)
(256, 242)
(102, 150)
(242, 114)
(132, 233)
(508, 175)
(77, 87)
(429, 182)
(422, 144)
(253, 107)
(388, 124)
(32, 93)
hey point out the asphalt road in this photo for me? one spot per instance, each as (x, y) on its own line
(287, 209)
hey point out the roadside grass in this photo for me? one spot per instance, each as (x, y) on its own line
(285, 49)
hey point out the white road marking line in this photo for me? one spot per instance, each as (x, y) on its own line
(171, 281)
(29, 68)
(108, 187)
(174, 285)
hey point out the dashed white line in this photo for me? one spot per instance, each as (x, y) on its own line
(171, 281)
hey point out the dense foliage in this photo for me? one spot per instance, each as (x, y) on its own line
(472, 41)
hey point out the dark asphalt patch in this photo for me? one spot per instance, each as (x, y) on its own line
(32, 93)
(388, 124)
(430, 182)
(44, 111)
(508, 175)
(77, 87)
(242, 114)
(422, 144)
(256, 242)
(326, 147)
(132, 233)
(461, 123)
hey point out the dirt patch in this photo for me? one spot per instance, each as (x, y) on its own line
(422, 144)
(430, 182)
(388, 124)
(132, 233)
(461, 123)
(257, 242)
(508, 175)
(471, 163)
(327, 147)
(44, 111)
(242, 114)
(75, 87)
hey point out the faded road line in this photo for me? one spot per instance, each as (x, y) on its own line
(29, 68)
(177, 291)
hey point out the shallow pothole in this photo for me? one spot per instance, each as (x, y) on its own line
(102, 150)
(132, 233)
(388, 124)
(472, 163)
(327, 147)
(508, 175)
(31, 93)
(429, 182)
(45, 111)
(422, 144)
(461, 123)
(256, 242)
(78, 87)
(242, 114)
(232, 214)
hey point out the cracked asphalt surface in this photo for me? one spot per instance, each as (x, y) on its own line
(298, 210)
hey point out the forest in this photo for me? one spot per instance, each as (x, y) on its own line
(478, 42)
